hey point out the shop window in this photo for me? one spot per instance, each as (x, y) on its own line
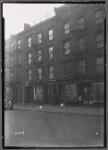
(67, 48)
(98, 16)
(29, 42)
(29, 75)
(39, 38)
(39, 93)
(99, 92)
(100, 40)
(81, 23)
(81, 44)
(99, 64)
(66, 28)
(50, 34)
(71, 91)
(50, 52)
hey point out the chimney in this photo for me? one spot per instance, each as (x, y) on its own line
(26, 26)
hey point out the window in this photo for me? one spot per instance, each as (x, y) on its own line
(99, 64)
(29, 42)
(71, 91)
(81, 44)
(51, 34)
(29, 75)
(19, 59)
(29, 58)
(12, 46)
(11, 76)
(19, 44)
(39, 73)
(39, 55)
(39, 38)
(100, 40)
(7, 74)
(68, 72)
(18, 75)
(11, 62)
(67, 47)
(50, 52)
(98, 17)
(81, 22)
(51, 72)
(81, 66)
(66, 28)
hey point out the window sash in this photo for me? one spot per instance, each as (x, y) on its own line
(39, 73)
(51, 72)
(29, 42)
(66, 28)
(39, 55)
(19, 44)
(39, 38)
(50, 34)
(81, 23)
(30, 75)
(29, 58)
(50, 52)
(67, 47)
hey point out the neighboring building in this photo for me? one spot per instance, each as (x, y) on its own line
(60, 59)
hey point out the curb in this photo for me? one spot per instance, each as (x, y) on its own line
(69, 113)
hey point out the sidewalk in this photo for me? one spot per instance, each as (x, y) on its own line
(57, 109)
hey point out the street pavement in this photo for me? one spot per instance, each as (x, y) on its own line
(44, 129)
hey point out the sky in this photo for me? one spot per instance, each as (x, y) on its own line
(17, 14)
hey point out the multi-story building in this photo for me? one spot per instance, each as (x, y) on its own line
(60, 59)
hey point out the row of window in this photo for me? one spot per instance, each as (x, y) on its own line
(98, 20)
(67, 71)
(67, 49)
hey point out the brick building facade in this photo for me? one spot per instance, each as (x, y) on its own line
(60, 59)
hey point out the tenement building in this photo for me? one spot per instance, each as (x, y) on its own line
(59, 60)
